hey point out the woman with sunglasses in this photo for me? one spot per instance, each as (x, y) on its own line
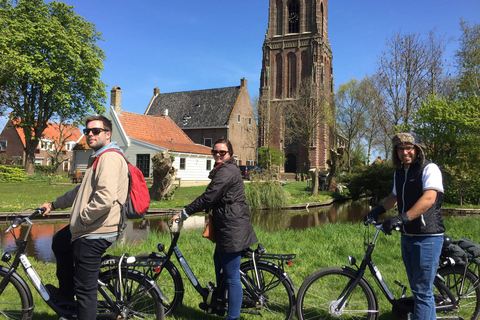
(225, 197)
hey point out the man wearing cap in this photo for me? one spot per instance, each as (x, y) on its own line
(418, 193)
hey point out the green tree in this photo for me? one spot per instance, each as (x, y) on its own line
(450, 129)
(53, 65)
(468, 60)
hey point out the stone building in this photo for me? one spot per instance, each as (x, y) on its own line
(297, 53)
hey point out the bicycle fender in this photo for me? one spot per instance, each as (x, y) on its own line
(4, 270)
(281, 272)
(354, 273)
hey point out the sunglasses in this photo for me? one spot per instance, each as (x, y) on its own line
(95, 131)
(220, 152)
(408, 149)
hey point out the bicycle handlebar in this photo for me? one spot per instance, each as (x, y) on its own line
(19, 219)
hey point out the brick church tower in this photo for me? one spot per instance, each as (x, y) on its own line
(296, 55)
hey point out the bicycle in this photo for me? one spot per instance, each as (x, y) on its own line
(344, 292)
(267, 288)
(123, 294)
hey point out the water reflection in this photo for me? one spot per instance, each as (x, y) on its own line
(40, 242)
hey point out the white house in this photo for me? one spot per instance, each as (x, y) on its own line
(143, 136)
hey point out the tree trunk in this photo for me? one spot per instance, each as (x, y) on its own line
(336, 159)
(30, 147)
(163, 176)
(315, 183)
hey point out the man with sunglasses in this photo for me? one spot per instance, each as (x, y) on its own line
(418, 194)
(94, 220)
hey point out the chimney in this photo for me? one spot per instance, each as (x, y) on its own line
(243, 82)
(165, 112)
(156, 91)
(116, 99)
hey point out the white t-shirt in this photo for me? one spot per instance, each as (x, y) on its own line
(431, 179)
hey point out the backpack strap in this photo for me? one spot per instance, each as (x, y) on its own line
(108, 150)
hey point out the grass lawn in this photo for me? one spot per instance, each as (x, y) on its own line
(18, 196)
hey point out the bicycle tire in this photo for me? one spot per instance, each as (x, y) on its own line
(171, 283)
(319, 292)
(467, 295)
(137, 296)
(16, 300)
(277, 295)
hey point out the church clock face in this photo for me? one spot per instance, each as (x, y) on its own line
(293, 17)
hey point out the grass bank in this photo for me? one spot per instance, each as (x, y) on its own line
(327, 245)
(17, 196)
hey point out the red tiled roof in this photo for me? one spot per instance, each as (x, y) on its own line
(52, 131)
(160, 131)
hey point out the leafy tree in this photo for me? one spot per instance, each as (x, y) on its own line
(468, 60)
(268, 156)
(450, 129)
(53, 67)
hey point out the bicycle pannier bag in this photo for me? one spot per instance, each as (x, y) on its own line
(138, 197)
(209, 232)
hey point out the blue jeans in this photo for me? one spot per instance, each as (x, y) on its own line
(420, 256)
(227, 268)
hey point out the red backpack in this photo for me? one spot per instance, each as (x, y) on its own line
(138, 197)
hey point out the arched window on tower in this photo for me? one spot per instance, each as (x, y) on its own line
(306, 66)
(321, 18)
(278, 76)
(292, 75)
(279, 29)
(293, 17)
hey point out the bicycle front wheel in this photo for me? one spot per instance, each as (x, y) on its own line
(270, 293)
(466, 291)
(135, 295)
(16, 300)
(322, 291)
(169, 280)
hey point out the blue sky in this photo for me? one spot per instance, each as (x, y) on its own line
(184, 45)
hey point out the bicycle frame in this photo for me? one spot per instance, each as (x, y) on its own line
(62, 309)
(207, 293)
(375, 272)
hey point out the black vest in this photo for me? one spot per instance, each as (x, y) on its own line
(409, 187)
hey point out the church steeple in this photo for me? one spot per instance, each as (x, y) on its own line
(296, 51)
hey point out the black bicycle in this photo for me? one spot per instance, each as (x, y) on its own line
(267, 289)
(122, 293)
(344, 292)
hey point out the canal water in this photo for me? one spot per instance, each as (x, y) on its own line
(39, 244)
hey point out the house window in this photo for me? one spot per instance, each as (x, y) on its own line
(182, 164)
(249, 121)
(38, 161)
(3, 145)
(143, 163)
(239, 118)
(209, 165)
(250, 163)
(207, 142)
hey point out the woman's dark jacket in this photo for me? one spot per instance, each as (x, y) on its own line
(225, 196)
(409, 186)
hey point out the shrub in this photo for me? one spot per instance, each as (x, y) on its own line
(10, 173)
(375, 180)
(266, 194)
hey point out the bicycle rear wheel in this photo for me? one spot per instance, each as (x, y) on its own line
(136, 295)
(321, 291)
(466, 292)
(16, 301)
(275, 291)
